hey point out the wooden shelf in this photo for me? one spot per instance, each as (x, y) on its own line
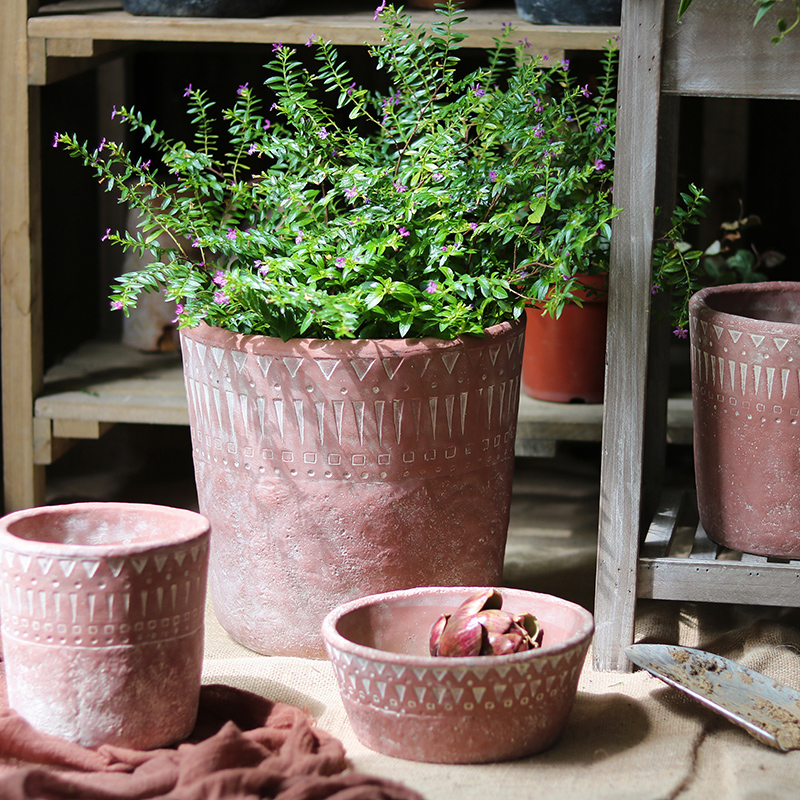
(100, 385)
(352, 24)
(677, 561)
(107, 382)
(86, 30)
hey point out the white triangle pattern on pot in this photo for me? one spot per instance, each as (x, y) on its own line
(435, 691)
(226, 413)
(756, 368)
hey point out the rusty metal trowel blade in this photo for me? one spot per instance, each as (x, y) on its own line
(767, 710)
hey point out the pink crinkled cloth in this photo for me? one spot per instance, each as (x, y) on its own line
(243, 747)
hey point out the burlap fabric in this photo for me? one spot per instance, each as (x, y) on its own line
(629, 736)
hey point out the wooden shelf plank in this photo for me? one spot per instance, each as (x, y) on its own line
(354, 27)
(109, 382)
(709, 573)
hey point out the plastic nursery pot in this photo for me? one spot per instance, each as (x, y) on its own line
(745, 346)
(564, 358)
(203, 8)
(102, 610)
(403, 702)
(570, 12)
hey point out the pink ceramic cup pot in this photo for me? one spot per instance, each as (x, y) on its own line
(102, 608)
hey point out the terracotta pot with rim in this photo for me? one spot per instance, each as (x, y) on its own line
(102, 620)
(405, 703)
(564, 360)
(334, 469)
(745, 361)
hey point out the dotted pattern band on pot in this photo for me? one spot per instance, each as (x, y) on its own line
(361, 436)
(103, 602)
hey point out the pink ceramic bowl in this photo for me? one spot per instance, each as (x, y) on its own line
(405, 703)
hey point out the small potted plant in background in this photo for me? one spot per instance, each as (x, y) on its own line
(351, 281)
(574, 134)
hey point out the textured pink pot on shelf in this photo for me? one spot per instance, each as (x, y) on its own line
(405, 703)
(746, 391)
(334, 469)
(102, 620)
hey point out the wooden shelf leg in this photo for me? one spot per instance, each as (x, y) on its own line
(20, 261)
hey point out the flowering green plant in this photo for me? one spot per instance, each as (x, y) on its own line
(437, 208)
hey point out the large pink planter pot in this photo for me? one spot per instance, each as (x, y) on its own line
(334, 469)
(746, 392)
(102, 620)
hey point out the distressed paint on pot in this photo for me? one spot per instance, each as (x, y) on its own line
(102, 620)
(335, 469)
(745, 351)
(565, 359)
(403, 702)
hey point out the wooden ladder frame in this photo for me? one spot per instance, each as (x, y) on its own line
(713, 52)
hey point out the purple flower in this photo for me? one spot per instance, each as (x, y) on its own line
(178, 311)
(107, 234)
(473, 226)
(231, 234)
(113, 112)
(252, 149)
(242, 89)
(221, 298)
(655, 289)
(398, 187)
(378, 10)
(432, 287)
(322, 133)
(477, 90)
(187, 91)
(341, 261)
(219, 278)
(524, 42)
(565, 64)
(299, 238)
(599, 164)
(277, 46)
(538, 131)
(310, 39)
(437, 176)
(116, 305)
(681, 333)
(267, 124)
(585, 91)
(492, 176)
(146, 164)
(350, 193)
(351, 88)
(403, 231)
(55, 139)
(599, 125)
